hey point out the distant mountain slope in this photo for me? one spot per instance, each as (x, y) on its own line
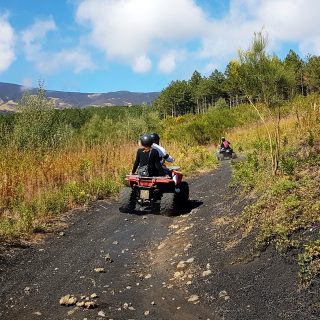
(11, 93)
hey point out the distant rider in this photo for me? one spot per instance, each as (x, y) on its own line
(147, 159)
(225, 144)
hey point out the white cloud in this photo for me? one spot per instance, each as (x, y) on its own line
(141, 64)
(168, 60)
(292, 21)
(285, 21)
(138, 32)
(33, 37)
(7, 40)
(73, 58)
(133, 30)
(49, 62)
(26, 84)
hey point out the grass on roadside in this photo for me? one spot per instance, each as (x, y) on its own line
(287, 212)
(36, 188)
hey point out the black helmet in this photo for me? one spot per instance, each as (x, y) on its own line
(223, 138)
(146, 140)
(155, 137)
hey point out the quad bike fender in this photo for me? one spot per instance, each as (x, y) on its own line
(177, 177)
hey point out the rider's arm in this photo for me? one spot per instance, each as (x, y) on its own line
(162, 152)
(168, 158)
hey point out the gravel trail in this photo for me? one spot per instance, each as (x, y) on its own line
(146, 266)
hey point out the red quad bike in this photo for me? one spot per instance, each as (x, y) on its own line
(165, 194)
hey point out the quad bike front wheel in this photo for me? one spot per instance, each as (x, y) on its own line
(127, 200)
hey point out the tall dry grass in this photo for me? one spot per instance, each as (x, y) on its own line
(35, 187)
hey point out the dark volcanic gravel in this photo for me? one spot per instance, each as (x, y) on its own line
(140, 254)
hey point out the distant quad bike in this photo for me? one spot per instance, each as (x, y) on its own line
(226, 153)
(164, 194)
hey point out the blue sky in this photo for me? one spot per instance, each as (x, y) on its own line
(141, 45)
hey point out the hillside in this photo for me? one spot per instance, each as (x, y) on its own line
(10, 94)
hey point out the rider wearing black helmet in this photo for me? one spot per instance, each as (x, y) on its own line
(162, 152)
(147, 159)
(155, 137)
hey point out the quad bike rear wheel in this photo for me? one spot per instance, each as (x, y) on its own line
(168, 204)
(183, 196)
(127, 200)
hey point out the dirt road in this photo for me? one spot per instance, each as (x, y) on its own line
(192, 266)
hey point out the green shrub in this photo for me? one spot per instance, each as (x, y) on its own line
(283, 186)
(37, 125)
(291, 202)
(309, 261)
(221, 103)
(288, 165)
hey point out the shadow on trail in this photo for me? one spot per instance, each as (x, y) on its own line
(182, 210)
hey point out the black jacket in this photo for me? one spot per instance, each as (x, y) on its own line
(150, 158)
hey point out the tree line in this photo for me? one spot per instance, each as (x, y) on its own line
(255, 76)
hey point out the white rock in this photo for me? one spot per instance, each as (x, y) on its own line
(68, 300)
(223, 293)
(80, 304)
(90, 304)
(101, 314)
(206, 273)
(162, 245)
(194, 298)
(178, 274)
(181, 265)
(147, 312)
